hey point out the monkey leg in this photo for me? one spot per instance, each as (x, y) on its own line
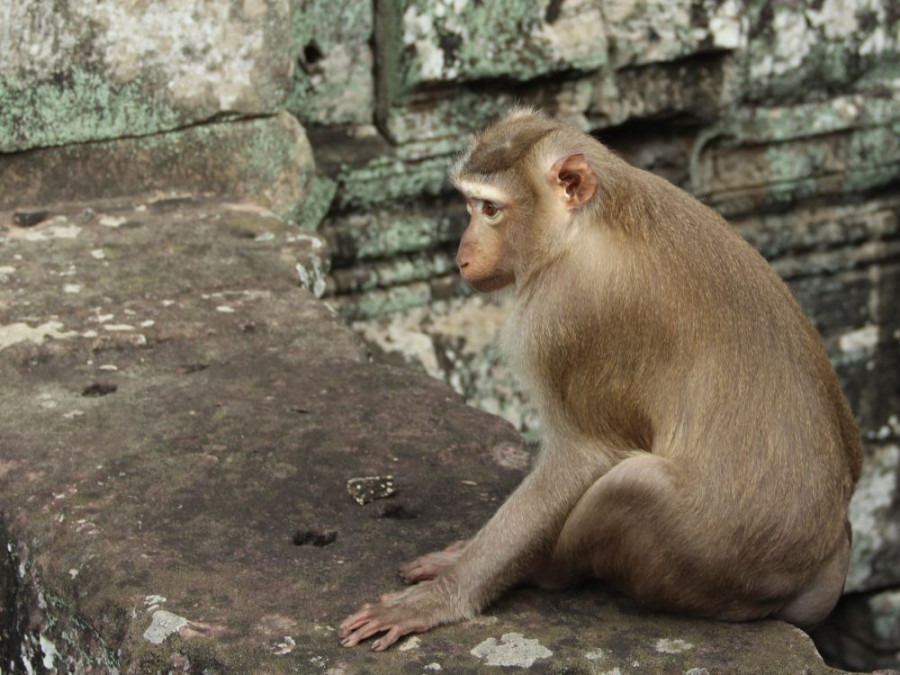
(637, 529)
(433, 564)
(588, 543)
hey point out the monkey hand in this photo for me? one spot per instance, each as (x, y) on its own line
(414, 610)
(433, 564)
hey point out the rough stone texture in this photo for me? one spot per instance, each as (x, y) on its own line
(764, 158)
(267, 160)
(798, 49)
(651, 31)
(181, 422)
(102, 70)
(784, 116)
(431, 41)
(866, 630)
(334, 80)
(698, 87)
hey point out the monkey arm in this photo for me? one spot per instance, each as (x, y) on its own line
(502, 554)
(526, 526)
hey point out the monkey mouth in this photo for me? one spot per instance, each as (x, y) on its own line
(494, 283)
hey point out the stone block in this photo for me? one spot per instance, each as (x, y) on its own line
(771, 158)
(425, 42)
(797, 49)
(654, 31)
(78, 70)
(383, 233)
(267, 160)
(698, 87)
(334, 80)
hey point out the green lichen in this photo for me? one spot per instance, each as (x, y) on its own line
(82, 106)
(799, 50)
(361, 278)
(873, 158)
(782, 123)
(320, 191)
(388, 179)
(333, 82)
(427, 41)
(385, 233)
(443, 125)
(794, 163)
(381, 303)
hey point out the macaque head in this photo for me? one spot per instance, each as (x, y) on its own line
(524, 181)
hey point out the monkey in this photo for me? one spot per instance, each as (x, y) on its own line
(697, 454)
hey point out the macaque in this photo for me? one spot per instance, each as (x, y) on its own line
(698, 454)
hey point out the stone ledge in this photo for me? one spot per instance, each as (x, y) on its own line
(266, 160)
(180, 422)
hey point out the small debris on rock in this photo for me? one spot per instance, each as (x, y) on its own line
(30, 218)
(99, 389)
(286, 646)
(314, 537)
(369, 488)
(513, 649)
(164, 624)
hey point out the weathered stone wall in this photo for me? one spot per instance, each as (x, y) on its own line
(343, 116)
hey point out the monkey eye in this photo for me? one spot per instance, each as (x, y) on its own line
(490, 210)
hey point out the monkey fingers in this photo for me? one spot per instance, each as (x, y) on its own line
(397, 614)
(433, 564)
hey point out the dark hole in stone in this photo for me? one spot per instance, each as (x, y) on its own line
(30, 218)
(395, 512)
(449, 44)
(552, 13)
(314, 537)
(300, 411)
(249, 327)
(99, 389)
(312, 54)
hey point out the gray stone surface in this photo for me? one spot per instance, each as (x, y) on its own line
(180, 422)
(798, 50)
(784, 116)
(334, 81)
(267, 160)
(865, 630)
(77, 70)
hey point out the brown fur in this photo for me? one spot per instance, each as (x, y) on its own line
(699, 454)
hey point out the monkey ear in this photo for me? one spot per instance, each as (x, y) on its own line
(576, 178)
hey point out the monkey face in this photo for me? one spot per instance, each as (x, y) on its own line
(483, 258)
